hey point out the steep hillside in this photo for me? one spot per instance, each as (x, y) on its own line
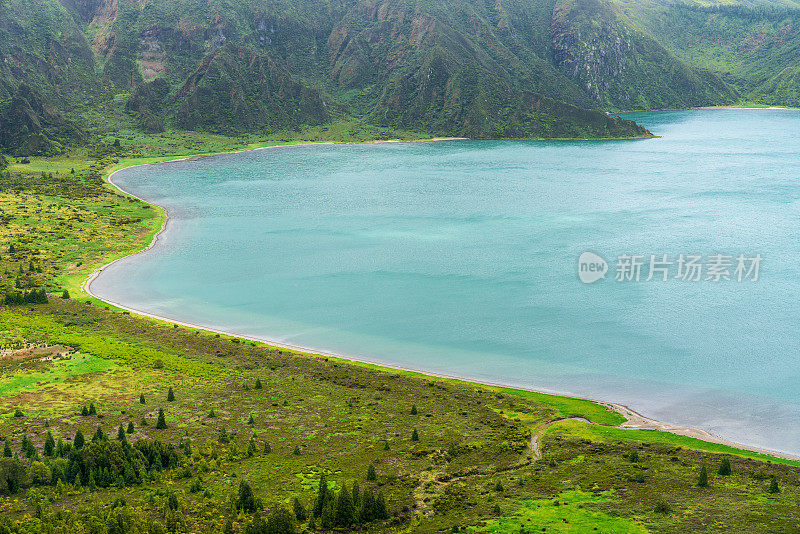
(620, 67)
(753, 45)
(481, 69)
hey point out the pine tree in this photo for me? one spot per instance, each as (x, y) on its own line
(85, 411)
(258, 383)
(121, 434)
(344, 515)
(414, 435)
(161, 424)
(7, 450)
(49, 444)
(773, 485)
(60, 448)
(79, 440)
(702, 480)
(141, 398)
(211, 413)
(724, 467)
(245, 500)
(371, 475)
(323, 496)
(299, 510)
(414, 409)
(92, 409)
(381, 513)
(356, 496)
(98, 435)
(251, 448)
(170, 395)
(267, 448)
(65, 295)
(386, 445)
(130, 427)
(251, 421)
(296, 450)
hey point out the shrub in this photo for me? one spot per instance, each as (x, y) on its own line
(724, 467)
(662, 508)
(773, 485)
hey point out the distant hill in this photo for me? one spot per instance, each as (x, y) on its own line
(500, 68)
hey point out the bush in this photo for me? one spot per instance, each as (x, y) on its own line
(724, 467)
(662, 508)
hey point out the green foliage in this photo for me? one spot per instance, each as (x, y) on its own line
(773, 485)
(161, 424)
(170, 395)
(702, 480)
(245, 499)
(724, 467)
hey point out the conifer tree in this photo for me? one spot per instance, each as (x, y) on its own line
(98, 435)
(773, 485)
(121, 434)
(267, 448)
(130, 427)
(141, 398)
(49, 444)
(371, 475)
(85, 412)
(251, 421)
(245, 500)
(161, 424)
(170, 395)
(702, 480)
(386, 445)
(79, 440)
(414, 409)
(7, 450)
(211, 413)
(92, 409)
(251, 448)
(65, 295)
(258, 383)
(299, 510)
(414, 435)
(344, 515)
(323, 495)
(296, 451)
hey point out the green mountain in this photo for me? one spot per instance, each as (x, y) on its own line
(500, 68)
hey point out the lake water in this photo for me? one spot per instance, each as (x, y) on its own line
(461, 258)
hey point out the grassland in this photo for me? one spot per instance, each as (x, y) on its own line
(280, 419)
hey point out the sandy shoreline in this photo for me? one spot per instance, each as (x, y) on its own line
(635, 420)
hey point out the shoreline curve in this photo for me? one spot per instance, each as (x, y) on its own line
(634, 420)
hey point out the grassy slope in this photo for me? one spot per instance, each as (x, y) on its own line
(339, 414)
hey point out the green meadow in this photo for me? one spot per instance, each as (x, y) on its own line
(183, 430)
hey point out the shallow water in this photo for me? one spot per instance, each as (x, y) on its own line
(461, 258)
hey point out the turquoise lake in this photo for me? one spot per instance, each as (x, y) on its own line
(461, 258)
